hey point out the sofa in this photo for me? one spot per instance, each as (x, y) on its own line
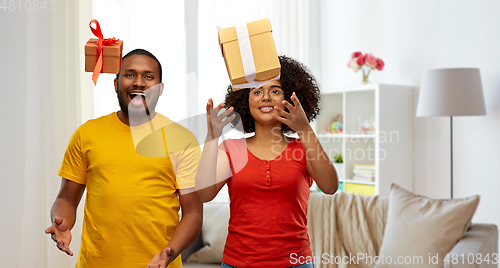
(344, 224)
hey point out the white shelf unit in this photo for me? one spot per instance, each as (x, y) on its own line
(389, 147)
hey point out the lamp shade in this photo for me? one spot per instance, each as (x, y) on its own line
(451, 92)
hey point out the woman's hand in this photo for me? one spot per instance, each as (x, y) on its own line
(296, 119)
(216, 122)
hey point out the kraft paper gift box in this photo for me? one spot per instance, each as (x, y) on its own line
(263, 52)
(112, 56)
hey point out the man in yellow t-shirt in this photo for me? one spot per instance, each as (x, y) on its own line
(138, 168)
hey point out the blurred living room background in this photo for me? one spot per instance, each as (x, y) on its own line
(47, 94)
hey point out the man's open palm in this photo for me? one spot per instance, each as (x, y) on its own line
(162, 259)
(61, 234)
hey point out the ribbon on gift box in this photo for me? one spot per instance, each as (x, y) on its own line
(247, 59)
(100, 43)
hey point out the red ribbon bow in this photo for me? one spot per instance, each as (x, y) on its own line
(100, 43)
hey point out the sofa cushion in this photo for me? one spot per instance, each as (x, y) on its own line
(213, 233)
(423, 230)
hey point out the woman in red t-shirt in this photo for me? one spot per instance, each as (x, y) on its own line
(268, 174)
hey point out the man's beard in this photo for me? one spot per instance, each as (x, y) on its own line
(135, 112)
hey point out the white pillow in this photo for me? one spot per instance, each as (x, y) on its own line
(421, 231)
(213, 233)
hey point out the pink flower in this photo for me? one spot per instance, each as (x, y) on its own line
(380, 64)
(361, 60)
(356, 54)
(353, 65)
(371, 60)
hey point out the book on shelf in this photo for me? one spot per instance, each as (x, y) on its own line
(364, 166)
(364, 172)
(363, 178)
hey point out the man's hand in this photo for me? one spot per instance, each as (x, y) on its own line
(61, 234)
(162, 259)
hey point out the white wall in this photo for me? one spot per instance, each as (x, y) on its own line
(412, 36)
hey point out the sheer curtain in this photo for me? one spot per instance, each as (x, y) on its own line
(42, 56)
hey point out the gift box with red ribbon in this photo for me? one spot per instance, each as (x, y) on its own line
(102, 55)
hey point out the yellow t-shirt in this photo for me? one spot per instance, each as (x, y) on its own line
(131, 207)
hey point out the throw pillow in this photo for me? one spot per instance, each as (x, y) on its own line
(213, 233)
(420, 232)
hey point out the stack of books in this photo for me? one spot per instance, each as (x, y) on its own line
(364, 172)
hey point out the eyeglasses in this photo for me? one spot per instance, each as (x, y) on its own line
(275, 94)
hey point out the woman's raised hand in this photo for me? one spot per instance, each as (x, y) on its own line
(216, 122)
(296, 119)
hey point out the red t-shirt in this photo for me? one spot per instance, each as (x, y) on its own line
(268, 208)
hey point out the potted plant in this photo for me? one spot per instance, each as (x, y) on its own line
(338, 161)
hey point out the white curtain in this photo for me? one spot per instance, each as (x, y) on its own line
(42, 56)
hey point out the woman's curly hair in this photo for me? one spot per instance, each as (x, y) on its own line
(294, 78)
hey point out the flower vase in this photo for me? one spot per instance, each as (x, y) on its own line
(366, 74)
